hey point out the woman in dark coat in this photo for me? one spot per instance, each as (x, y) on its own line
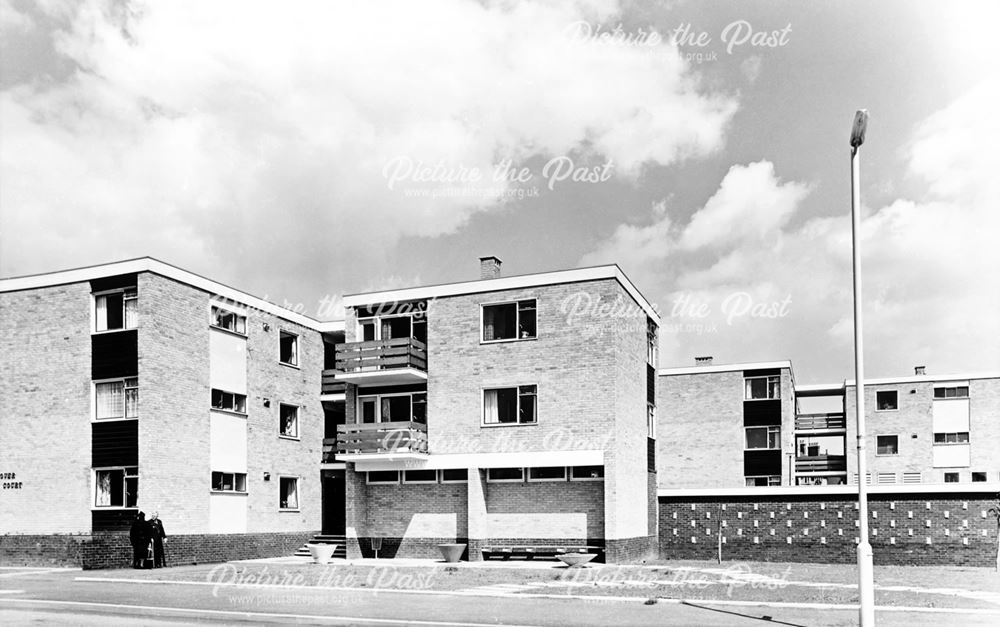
(138, 535)
(159, 535)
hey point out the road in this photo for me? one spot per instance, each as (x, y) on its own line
(41, 597)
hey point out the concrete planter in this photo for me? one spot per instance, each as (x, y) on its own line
(321, 553)
(574, 560)
(451, 552)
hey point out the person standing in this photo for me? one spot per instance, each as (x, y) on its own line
(138, 535)
(159, 537)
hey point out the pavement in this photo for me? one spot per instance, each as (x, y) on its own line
(198, 595)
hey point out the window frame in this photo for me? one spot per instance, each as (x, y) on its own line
(491, 480)
(298, 499)
(125, 476)
(406, 481)
(767, 378)
(235, 475)
(772, 480)
(957, 477)
(124, 291)
(237, 315)
(775, 429)
(125, 388)
(980, 477)
(517, 387)
(573, 477)
(442, 479)
(517, 320)
(368, 478)
(296, 352)
(651, 421)
(281, 421)
(530, 479)
(957, 442)
(945, 388)
(878, 405)
(378, 407)
(886, 435)
(234, 412)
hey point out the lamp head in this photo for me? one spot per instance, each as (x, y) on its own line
(859, 128)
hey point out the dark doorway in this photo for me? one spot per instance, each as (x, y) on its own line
(334, 503)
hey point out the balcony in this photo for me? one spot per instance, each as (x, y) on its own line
(330, 386)
(381, 440)
(395, 361)
(329, 450)
(821, 463)
(820, 422)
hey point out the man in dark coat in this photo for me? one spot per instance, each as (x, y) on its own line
(138, 535)
(159, 536)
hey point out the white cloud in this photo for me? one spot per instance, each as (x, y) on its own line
(200, 131)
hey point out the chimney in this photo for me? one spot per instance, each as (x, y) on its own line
(920, 370)
(703, 361)
(489, 267)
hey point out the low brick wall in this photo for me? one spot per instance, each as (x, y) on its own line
(114, 550)
(630, 550)
(907, 527)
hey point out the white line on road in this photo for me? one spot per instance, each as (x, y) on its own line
(575, 597)
(11, 591)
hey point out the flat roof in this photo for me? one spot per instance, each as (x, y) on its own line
(757, 365)
(927, 378)
(149, 264)
(505, 283)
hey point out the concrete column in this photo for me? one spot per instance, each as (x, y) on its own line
(357, 511)
(478, 524)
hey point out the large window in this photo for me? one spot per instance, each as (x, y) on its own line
(763, 437)
(762, 480)
(229, 401)
(289, 348)
(958, 391)
(554, 473)
(887, 400)
(289, 420)
(289, 490)
(393, 408)
(384, 477)
(509, 321)
(116, 310)
(760, 388)
(514, 405)
(116, 487)
(454, 475)
(229, 481)
(586, 473)
(952, 438)
(650, 421)
(652, 347)
(887, 445)
(420, 476)
(117, 399)
(505, 475)
(228, 320)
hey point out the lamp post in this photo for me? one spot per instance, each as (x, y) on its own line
(866, 583)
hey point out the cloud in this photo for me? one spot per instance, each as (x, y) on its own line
(929, 263)
(202, 137)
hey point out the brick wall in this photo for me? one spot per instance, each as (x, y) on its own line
(814, 528)
(45, 409)
(114, 551)
(41, 550)
(563, 509)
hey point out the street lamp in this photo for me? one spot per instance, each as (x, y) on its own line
(866, 583)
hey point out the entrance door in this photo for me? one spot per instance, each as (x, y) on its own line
(334, 503)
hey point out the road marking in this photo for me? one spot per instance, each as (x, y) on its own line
(11, 591)
(352, 620)
(22, 572)
(575, 597)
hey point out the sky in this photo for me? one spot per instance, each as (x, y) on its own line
(319, 149)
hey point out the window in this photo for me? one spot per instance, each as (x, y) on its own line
(229, 320)
(497, 475)
(117, 399)
(651, 343)
(229, 401)
(886, 400)
(978, 477)
(951, 477)
(651, 421)
(454, 475)
(116, 310)
(229, 482)
(959, 391)
(951, 438)
(116, 487)
(289, 489)
(587, 473)
(419, 476)
(763, 437)
(289, 348)
(289, 421)
(763, 480)
(761, 388)
(509, 405)
(509, 321)
(887, 445)
(383, 477)
(393, 408)
(547, 474)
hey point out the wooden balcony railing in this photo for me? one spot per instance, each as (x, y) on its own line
(403, 352)
(330, 385)
(821, 463)
(329, 450)
(382, 437)
(810, 422)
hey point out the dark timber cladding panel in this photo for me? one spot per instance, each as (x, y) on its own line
(651, 454)
(767, 372)
(761, 463)
(112, 520)
(114, 354)
(650, 384)
(115, 443)
(113, 282)
(762, 413)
